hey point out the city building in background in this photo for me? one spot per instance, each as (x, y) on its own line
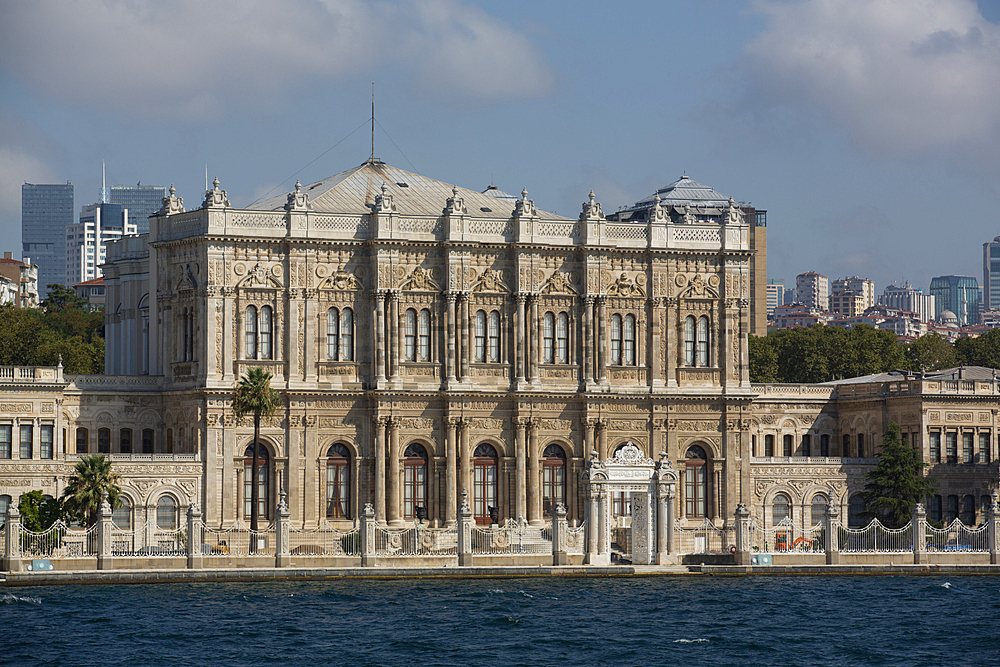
(46, 212)
(86, 241)
(812, 290)
(957, 294)
(91, 291)
(905, 297)
(861, 286)
(991, 275)
(19, 281)
(775, 295)
(141, 201)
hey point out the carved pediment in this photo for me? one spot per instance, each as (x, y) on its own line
(623, 285)
(259, 276)
(558, 283)
(420, 281)
(700, 288)
(490, 281)
(342, 280)
(187, 280)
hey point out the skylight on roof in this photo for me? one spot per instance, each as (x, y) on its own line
(403, 185)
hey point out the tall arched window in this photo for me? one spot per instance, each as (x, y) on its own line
(806, 445)
(861, 445)
(628, 340)
(494, 337)
(81, 441)
(347, 335)
(104, 441)
(266, 351)
(553, 478)
(856, 511)
(250, 345)
(424, 336)
(616, 339)
(122, 516)
(549, 338)
(332, 334)
(166, 513)
(824, 445)
(703, 341)
(696, 482)
(125, 441)
(562, 338)
(786, 445)
(689, 341)
(481, 336)
(818, 514)
(952, 508)
(969, 510)
(263, 482)
(410, 335)
(338, 482)
(935, 509)
(484, 482)
(414, 480)
(768, 445)
(184, 334)
(781, 508)
(148, 441)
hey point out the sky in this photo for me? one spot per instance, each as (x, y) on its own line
(868, 129)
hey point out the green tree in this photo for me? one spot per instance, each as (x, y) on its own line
(930, 353)
(39, 512)
(896, 483)
(92, 477)
(763, 359)
(253, 396)
(981, 351)
(62, 298)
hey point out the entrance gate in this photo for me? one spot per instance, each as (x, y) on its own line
(651, 488)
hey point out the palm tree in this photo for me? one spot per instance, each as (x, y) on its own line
(92, 478)
(253, 395)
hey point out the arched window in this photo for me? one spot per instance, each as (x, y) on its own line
(484, 482)
(332, 334)
(856, 511)
(769, 445)
(414, 480)
(806, 445)
(628, 340)
(410, 335)
(689, 341)
(104, 441)
(494, 337)
(347, 335)
(263, 482)
(553, 478)
(250, 345)
(266, 351)
(166, 513)
(819, 503)
(969, 510)
(696, 482)
(122, 515)
(125, 441)
(846, 445)
(616, 339)
(81, 441)
(703, 341)
(786, 445)
(148, 441)
(861, 445)
(952, 508)
(824, 445)
(549, 338)
(424, 336)
(781, 508)
(338, 482)
(481, 336)
(935, 509)
(562, 338)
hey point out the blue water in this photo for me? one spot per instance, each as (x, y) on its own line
(539, 621)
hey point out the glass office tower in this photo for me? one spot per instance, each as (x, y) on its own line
(46, 212)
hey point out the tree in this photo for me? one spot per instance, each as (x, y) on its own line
(253, 395)
(92, 478)
(62, 298)
(930, 353)
(39, 512)
(763, 359)
(897, 483)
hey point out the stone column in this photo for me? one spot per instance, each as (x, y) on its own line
(451, 470)
(993, 532)
(593, 512)
(394, 336)
(602, 439)
(465, 523)
(534, 492)
(380, 476)
(559, 526)
(534, 340)
(588, 342)
(519, 325)
(450, 335)
(919, 525)
(832, 533)
(195, 531)
(520, 473)
(602, 341)
(380, 379)
(655, 338)
(464, 453)
(392, 483)
(105, 530)
(603, 524)
(282, 533)
(589, 425)
(464, 341)
(674, 349)
(743, 546)
(12, 540)
(367, 533)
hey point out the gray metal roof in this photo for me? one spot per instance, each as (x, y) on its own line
(686, 191)
(980, 373)
(354, 191)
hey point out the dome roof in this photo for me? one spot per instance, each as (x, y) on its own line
(948, 318)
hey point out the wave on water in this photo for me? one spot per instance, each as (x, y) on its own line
(690, 641)
(14, 599)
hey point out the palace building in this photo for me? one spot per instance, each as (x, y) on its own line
(428, 339)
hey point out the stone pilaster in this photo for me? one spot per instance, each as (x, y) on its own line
(919, 525)
(195, 531)
(832, 533)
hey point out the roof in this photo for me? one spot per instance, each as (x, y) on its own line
(686, 191)
(90, 283)
(966, 372)
(353, 192)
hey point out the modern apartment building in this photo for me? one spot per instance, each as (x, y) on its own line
(20, 280)
(775, 295)
(813, 290)
(911, 299)
(46, 212)
(86, 241)
(861, 286)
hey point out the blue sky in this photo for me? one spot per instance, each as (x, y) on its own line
(868, 129)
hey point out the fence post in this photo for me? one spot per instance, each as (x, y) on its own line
(464, 531)
(993, 532)
(12, 546)
(282, 533)
(367, 530)
(559, 526)
(742, 534)
(919, 522)
(196, 537)
(105, 530)
(832, 534)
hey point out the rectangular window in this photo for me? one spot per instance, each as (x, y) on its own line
(807, 445)
(824, 445)
(984, 447)
(861, 445)
(27, 434)
(951, 447)
(147, 441)
(81, 441)
(847, 445)
(935, 447)
(967, 448)
(6, 431)
(47, 432)
(125, 441)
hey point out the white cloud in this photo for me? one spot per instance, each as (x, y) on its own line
(898, 77)
(187, 59)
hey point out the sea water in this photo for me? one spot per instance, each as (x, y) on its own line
(911, 621)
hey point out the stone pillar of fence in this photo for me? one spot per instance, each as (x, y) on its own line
(993, 532)
(666, 482)
(105, 531)
(282, 533)
(196, 536)
(742, 535)
(12, 542)
(368, 536)
(559, 528)
(465, 524)
(919, 526)
(832, 534)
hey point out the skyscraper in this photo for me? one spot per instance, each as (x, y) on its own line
(46, 212)
(86, 242)
(991, 275)
(959, 294)
(141, 201)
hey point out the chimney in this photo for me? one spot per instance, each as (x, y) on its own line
(8, 255)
